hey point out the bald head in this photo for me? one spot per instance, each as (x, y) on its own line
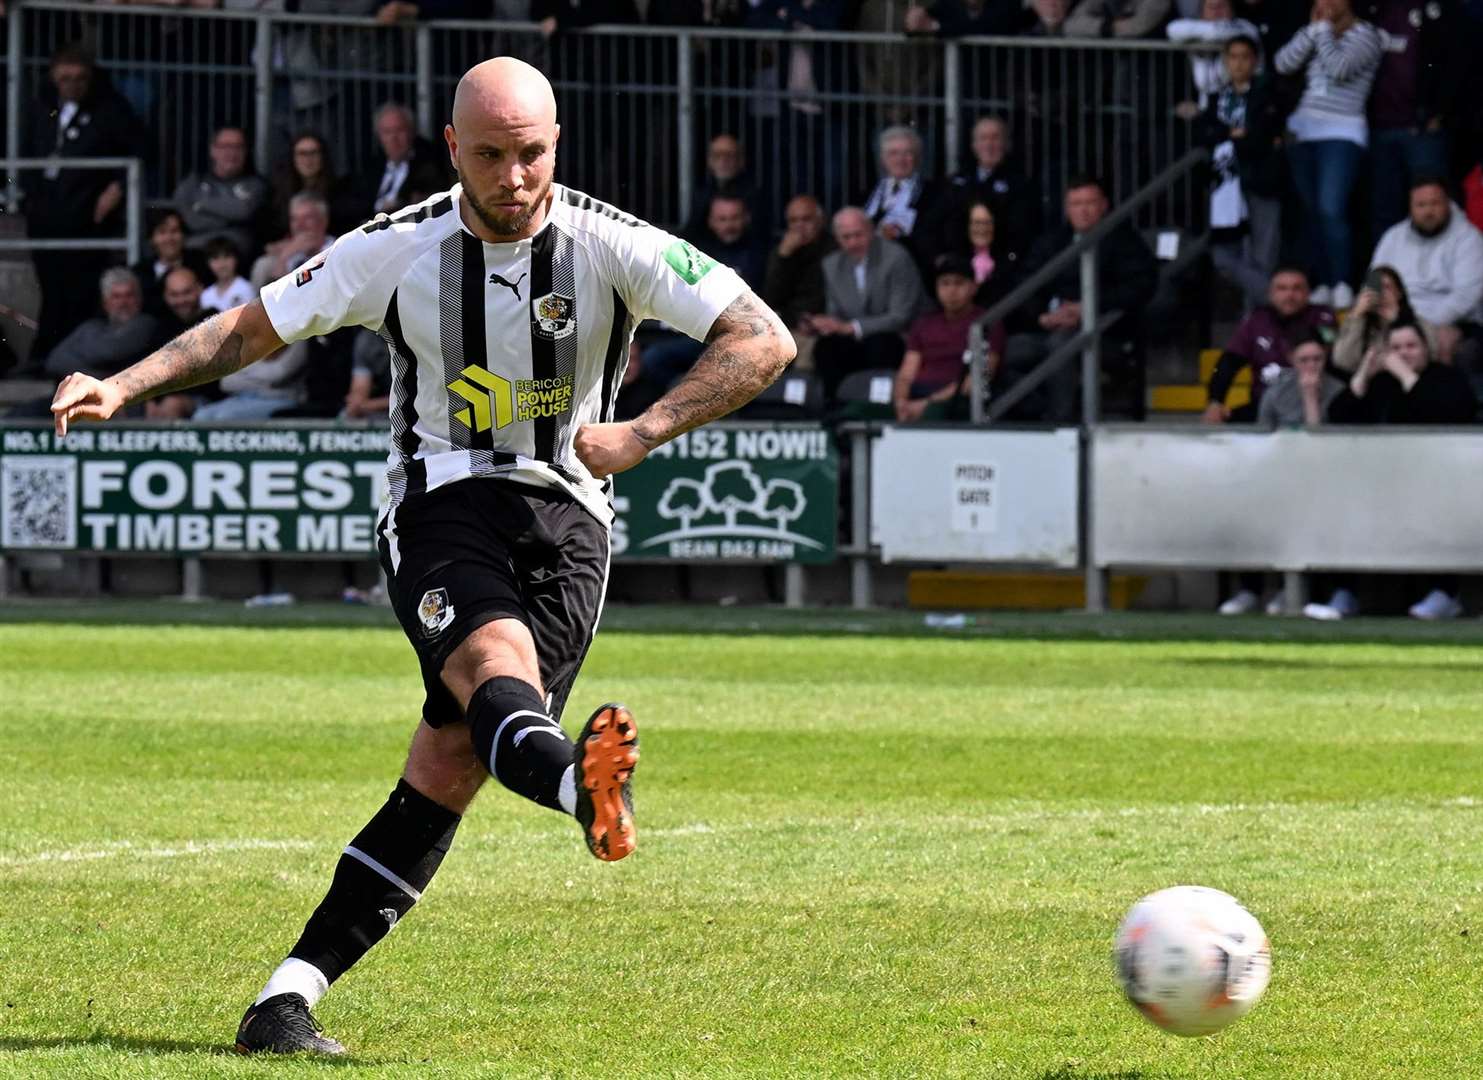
(852, 232)
(503, 145)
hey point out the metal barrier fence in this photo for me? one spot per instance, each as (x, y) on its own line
(639, 103)
(131, 244)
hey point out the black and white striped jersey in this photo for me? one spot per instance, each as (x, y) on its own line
(499, 352)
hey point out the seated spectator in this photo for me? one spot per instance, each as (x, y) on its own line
(228, 288)
(167, 252)
(903, 196)
(309, 224)
(369, 396)
(978, 242)
(1382, 303)
(1399, 382)
(872, 291)
(1217, 23)
(1127, 275)
(933, 382)
(1242, 127)
(227, 199)
(1438, 253)
(1339, 55)
(962, 18)
(997, 181)
(408, 169)
(1116, 18)
(1263, 342)
(262, 390)
(725, 174)
(1301, 395)
(309, 168)
(183, 301)
(794, 282)
(124, 335)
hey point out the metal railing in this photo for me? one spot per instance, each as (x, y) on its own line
(131, 243)
(639, 102)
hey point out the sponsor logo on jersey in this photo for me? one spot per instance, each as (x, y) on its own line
(497, 402)
(553, 316)
(689, 262)
(435, 611)
(306, 272)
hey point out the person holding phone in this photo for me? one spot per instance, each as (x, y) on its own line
(1382, 302)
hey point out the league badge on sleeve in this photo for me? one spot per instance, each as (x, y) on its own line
(553, 316)
(307, 271)
(435, 611)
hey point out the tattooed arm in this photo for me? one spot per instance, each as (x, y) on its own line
(747, 348)
(219, 346)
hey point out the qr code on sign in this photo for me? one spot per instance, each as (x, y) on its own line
(38, 502)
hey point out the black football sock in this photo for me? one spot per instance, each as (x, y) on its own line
(519, 743)
(381, 874)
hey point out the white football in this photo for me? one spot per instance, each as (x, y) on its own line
(1191, 959)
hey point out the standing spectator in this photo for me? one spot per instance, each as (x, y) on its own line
(1116, 18)
(1339, 54)
(1217, 23)
(166, 252)
(726, 174)
(408, 169)
(933, 380)
(228, 287)
(996, 180)
(1382, 303)
(309, 167)
(1263, 342)
(1422, 83)
(226, 200)
(1301, 395)
(77, 116)
(794, 281)
(125, 334)
(903, 196)
(1243, 129)
(1439, 255)
(1127, 275)
(872, 292)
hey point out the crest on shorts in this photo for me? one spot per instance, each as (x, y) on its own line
(435, 611)
(553, 315)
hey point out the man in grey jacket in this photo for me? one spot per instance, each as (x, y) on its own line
(226, 199)
(872, 292)
(126, 332)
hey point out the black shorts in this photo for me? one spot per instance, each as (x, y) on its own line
(483, 549)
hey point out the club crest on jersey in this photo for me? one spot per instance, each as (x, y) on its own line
(553, 316)
(435, 611)
(306, 272)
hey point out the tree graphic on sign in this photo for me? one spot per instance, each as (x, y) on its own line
(733, 491)
(732, 487)
(783, 501)
(684, 499)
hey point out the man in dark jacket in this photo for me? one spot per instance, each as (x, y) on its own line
(794, 282)
(225, 200)
(1127, 275)
(725, 175)
(996, 179)
(408, 169)
(77, 116)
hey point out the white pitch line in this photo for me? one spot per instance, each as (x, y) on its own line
(127, 848)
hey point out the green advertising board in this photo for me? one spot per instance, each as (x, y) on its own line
(750, 493)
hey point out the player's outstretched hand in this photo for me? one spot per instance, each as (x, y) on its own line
(608, 448)
(82, 397)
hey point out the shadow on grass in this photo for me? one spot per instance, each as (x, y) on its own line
(103, 1040)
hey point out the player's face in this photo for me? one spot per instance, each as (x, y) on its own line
(1288, 294)
(506, 173)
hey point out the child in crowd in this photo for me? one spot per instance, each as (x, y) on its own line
(229, 288)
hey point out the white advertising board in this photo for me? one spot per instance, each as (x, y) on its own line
(975, 496)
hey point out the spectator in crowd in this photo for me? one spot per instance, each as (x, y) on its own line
(557, 15)
(182, 293)
(309, 168)
(228, 287)
(1421, 84)
(997, 181)
(1301, 395)
(1382, 303)
(872, 292)
(1438, 253)
(78, 116)
(903, 196)
(1116, 18)
(1045, 18)
(1263, 342)
(308, 235)
(408, 169)
(1399, 382)
(1276, 21)
(1339, 55)
(167, 252)
(726, 174)
(962, 18)
(262, 390)
(394, 12)
(933, 381)
(1242, 127)
(104, 346)
(1127, 275)
(227, 199)
(978, 242)
(794, 281)
(369, 396)
(1217, 23)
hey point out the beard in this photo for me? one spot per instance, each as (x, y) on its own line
(507, 226)
(1433, 232)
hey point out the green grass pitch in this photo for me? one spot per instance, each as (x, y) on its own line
(862, 851)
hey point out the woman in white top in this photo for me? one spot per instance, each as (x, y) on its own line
(1339, 55)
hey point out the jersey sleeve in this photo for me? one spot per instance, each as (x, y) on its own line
(333, 289)
(663, 277)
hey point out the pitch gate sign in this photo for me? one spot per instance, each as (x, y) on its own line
(721, 493)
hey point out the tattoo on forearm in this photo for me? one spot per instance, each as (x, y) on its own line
(742, 357)
(205, 352)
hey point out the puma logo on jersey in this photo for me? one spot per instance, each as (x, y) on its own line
(513, 286)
